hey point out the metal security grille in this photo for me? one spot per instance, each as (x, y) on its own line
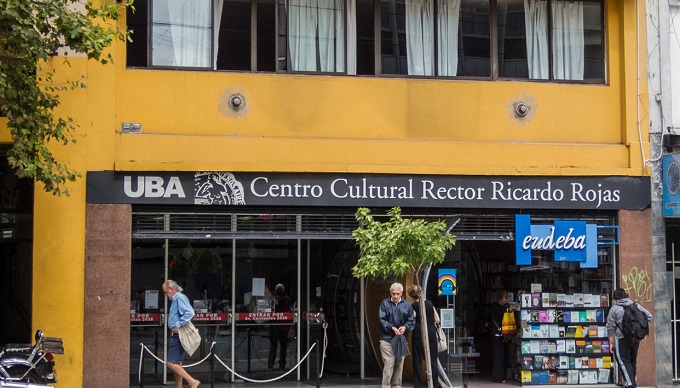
(227, 225)
(197, 225)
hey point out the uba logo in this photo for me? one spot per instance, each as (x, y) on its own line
(153, 187)
(569, 240)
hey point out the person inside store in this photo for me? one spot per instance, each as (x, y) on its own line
(499, 345)
(431, 319)
(395, 315)
(180, 313)
(278, 333)
(625, 350)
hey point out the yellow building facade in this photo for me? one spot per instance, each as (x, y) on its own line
(318, 125)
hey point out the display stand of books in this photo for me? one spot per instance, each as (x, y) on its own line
(564, 339)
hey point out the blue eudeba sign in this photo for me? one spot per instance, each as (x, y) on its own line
(569, 240)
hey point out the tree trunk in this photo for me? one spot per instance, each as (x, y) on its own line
(426, 341)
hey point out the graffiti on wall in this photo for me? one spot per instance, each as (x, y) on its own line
(638, 284)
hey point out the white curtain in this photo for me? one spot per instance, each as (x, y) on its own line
(420, 37)
(190, 22)
(312, 19)
(302, 24)
(536, 24)
(351, 37)
(447, 26)
(568, 41)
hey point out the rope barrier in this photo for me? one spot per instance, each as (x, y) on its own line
(212, 346)
(269, 380)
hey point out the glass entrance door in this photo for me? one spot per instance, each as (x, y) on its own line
(267, 291)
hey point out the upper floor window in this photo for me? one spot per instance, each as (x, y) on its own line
(526, 39)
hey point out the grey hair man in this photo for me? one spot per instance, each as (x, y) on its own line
(180, 313)
(396, 318)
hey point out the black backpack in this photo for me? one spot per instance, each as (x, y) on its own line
(634, 324)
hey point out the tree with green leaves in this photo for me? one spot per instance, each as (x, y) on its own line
(401, 246)
(31, 34)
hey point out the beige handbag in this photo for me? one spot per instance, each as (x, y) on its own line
(189, 338)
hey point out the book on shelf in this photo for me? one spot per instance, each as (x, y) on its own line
(526, 376)
(569, 301)
(602, 331)
(525, 315)
(526, 330)
(563, 362)
(543, 316)
(597, 302)
(535, 299)
(597, 346)
(560, 346)
(578, 299)
(561, 300)
(527, 362)
(589, 347)
(552, 347)
(603, 376)
(587, 300)
(543, 346)
(599, 315)
(572, 377)
(526, 300)
(526, 347)
(607, 362)
(593, 331)
(571, 345)
(566, 316)
(562, 377)
(538, 362)
(583, 316)
(599, 362)
(604, 300)
(561, 331)
(554, 331)
(545, 299)
(534, 316)
(570, 332)
(580, 346)
(552, 377)
(536, 287)
(590, 316)
(535, 347)
(545, 331)
(552, 315)
(592, 362)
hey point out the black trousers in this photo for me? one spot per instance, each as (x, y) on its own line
(418, 356)
(277, 338)
(626, 357)
(500, 353)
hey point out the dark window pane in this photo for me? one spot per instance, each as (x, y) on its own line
(393, 37)
(594, 42)
(365, 38)
(475, 43)
(233, 49)
(137, 23)
(266, 36)
(512, 49)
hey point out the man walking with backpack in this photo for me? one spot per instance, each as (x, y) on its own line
(627, 325)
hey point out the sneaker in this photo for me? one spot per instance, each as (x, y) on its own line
(195, 384)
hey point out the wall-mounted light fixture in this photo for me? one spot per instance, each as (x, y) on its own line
(522, 109)
(237, 102)
(131, 128)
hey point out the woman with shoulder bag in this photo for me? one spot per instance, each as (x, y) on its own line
(431, 319)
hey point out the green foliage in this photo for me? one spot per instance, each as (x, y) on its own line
(192, 261)
(398, 246)
(31, 31)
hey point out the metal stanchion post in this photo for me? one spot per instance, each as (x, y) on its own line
(318, 364)
(212, 366)
(141, 369)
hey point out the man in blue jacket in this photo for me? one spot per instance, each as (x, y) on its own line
(396, 318)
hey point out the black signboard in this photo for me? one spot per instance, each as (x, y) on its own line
(370, 190)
